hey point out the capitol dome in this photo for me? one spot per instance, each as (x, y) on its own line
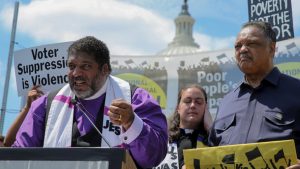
(183, 42)
(178, 50)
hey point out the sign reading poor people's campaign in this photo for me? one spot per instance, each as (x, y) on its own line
(43, 65)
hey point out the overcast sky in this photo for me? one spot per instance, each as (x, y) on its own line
(129, 27)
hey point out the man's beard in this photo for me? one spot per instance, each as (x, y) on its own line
(90, 91)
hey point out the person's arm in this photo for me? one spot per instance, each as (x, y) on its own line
(33, 94)
(32, 130)
(295, 166)
(149, 143)
(144, 127)
(12, 131)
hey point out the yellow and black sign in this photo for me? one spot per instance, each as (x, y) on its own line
(264, 155)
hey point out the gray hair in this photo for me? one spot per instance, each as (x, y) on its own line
(265, 27)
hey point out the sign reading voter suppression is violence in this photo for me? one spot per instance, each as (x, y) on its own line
(42, 65)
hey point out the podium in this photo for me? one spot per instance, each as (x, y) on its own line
(65, 158)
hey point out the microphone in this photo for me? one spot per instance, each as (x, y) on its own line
(85, 112)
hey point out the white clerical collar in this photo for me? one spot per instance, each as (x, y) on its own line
(100, 92)
(187, 131)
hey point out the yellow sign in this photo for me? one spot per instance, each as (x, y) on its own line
(144, 82)
(263, 155)
(290, 68)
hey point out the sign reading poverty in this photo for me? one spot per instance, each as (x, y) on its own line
(162, 76)
(268, 155)
(276, 12)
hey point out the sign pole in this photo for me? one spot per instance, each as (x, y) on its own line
(8, 68)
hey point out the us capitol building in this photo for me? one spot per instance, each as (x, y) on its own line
(166, 72)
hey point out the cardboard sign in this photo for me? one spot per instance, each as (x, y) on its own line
(267, 155)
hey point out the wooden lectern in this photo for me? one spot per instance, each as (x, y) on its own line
(65, 158)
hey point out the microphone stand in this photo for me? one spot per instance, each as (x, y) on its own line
(95, 127)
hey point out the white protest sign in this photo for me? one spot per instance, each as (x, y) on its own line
(171, 159)
(42, 65)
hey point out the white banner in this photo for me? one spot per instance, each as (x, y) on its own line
(162, 76)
